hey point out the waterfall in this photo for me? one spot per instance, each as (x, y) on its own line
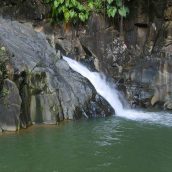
(111, 95)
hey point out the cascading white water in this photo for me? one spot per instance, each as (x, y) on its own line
(111, 95)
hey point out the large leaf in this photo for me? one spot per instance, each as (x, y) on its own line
(56, 3)
(72, 14)
(82, 17)
(74, 2)
(91, 5)
(80, 7)
(123, 11)
(111, 11)
(67, 3)
(66, 16)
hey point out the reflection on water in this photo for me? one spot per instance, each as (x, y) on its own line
(110, 144)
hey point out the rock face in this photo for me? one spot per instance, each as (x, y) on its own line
(97, 39)
(150, 72)
(140, 64)
(10, 106)
(50, 91)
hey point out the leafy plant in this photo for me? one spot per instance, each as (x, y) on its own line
(95, 5)
(68, 11)
(78, 11)
(114, 6)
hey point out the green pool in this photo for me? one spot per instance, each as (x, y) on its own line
(102, 145)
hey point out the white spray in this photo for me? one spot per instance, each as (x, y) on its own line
(111, 95)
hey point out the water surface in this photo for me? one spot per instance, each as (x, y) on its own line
(103, 145)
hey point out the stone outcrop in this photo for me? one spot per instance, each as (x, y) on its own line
(50, 91)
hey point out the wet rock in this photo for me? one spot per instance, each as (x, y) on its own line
(74, 90)
(98, 107)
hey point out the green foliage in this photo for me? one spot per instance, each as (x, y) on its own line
(68, 11)
(95, 5)
(78, 10)
(111, 7)
(123, 11)
(3, 61)
(116, 6)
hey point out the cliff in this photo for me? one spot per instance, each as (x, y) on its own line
(37, 86)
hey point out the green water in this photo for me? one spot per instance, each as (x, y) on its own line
(101, 145)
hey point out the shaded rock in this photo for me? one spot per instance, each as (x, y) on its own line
(144, 73)
(22, 10)
(168, 13)
(98, 107)
(10, 104)
(22, 80)
(72, 47)
(96, 24)
(44, 108)
(97, 39)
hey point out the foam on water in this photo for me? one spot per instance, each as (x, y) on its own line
(109, 92)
